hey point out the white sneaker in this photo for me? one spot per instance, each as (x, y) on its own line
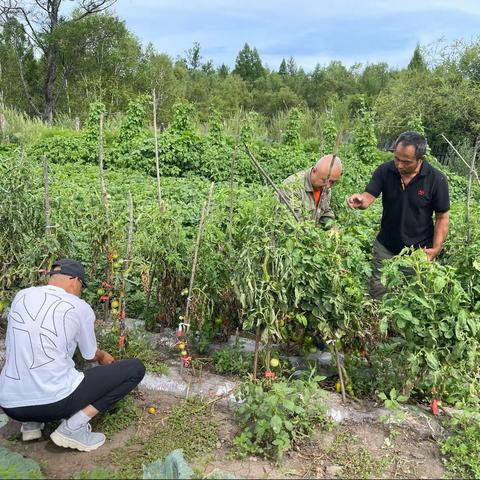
(31, 430)
(82, 438)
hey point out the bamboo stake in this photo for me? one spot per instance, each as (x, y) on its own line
(103, 193)
(469, 186)
(255, 356)
(232, 173)
(157, 163)
(270, 181)
(47, 201)
(474, 172)
(340, 372)
(152, 271)
(203, 215)
(126, 262)
(332, 162)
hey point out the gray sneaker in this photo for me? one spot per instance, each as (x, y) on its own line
(31, 430)
(82, 438)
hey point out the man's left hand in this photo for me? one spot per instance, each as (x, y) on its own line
(432, 253)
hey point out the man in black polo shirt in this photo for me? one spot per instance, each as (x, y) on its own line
(412, 190)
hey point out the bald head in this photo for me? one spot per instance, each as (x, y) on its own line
(324, 173)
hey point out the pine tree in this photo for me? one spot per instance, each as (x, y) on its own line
(283, 68)
(417, 62)
(248, 64)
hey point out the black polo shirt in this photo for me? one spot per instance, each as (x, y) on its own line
(407, 214)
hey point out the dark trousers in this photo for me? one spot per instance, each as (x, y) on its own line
(380, 253)
(101, 387)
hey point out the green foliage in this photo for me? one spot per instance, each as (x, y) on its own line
(96, 473)
(292, 133)
(13, 465)
(416, 124)
(462, 446)
(183, 118)
(275, 415)
(248, 64)
(91, 127)
(365, 139)
(432, 327)
(132, 124)
(329, 135)
(392, 402)
(123, 414)
(232, 360)
(137, 346)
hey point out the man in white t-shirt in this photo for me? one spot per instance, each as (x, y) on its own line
(39, 382)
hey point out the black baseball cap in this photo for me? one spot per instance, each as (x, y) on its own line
(73, 268)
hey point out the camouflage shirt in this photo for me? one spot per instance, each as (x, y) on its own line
(298, 191)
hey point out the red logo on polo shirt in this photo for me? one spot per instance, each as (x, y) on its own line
(421, 193)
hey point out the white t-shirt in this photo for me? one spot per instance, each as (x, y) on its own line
(45, 325)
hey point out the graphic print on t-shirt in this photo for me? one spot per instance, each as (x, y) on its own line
(39, 326)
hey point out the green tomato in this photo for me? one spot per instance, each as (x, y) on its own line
(100, 292)
(274, 363)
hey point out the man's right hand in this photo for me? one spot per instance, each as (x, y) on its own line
(360, 201)
(103, 358)
(356, 201)
(106, 359)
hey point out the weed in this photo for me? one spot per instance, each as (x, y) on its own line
(136, 347)
(96, 473)
(462, 447)
(233, 360)
(120, 417)
(392, 403)
(356, 462)
(189, 426)
(274, 416)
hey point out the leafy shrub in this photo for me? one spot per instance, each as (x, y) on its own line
(273, 416)
(462, 447)
(232, 360)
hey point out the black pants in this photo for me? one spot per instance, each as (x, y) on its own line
(101, 387)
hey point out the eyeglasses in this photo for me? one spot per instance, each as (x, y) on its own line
(76, 278)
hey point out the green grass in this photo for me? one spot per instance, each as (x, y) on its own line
(120, 417)
(190, 426)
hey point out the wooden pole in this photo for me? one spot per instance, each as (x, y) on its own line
(203, 215)
(103, 193)
(47, 201)
(266, 176)
(157, 162)
(255, 356)
(340, 372)
(474, 171)
(232, 175)
(469, 186)
(126, 262)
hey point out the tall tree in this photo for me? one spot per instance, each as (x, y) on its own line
(41, 22)
(194, 57)
(283, 68)
(417, 62)
(248, 64)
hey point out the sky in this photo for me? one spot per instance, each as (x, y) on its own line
(365, 31)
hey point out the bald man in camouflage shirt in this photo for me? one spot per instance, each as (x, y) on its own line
(309, 192)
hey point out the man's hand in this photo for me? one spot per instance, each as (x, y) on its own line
(360, 201)
(104, 358)
(432, 253)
